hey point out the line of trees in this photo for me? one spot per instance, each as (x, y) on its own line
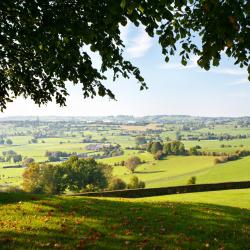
(161, 150)
(10, 155)
(232, 157)
(119, 184)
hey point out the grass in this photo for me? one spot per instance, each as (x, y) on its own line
(161, 173)
(215, 145)
(40, 222)
(234, 198)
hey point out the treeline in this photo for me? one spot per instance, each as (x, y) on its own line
(213, 136)
(111, 151)
(75, 175)
(232, 157)
(160, 150)
(10, 155)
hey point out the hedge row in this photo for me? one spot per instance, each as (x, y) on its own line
(147, 192)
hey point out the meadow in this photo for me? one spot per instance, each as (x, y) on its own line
(59, 222)
(208, 220)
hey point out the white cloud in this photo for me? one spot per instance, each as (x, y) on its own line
(178, 66)
(230, 71)
(240, 81)
(238, 95)
(139, 45)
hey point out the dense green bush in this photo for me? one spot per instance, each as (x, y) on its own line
(117, 184)
(192, 180)
(136, 183)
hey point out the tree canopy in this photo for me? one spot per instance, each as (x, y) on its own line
(43, 42)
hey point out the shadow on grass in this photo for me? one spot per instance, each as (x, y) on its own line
(89, 223)
(8, 198)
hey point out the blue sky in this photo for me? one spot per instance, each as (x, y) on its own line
(173, 88)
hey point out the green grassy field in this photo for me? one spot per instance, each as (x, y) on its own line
(233, 198)
(40, 222)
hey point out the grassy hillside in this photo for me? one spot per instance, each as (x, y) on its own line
(39, 222)
(234, 198)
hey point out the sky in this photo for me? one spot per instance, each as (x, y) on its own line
(172, 88)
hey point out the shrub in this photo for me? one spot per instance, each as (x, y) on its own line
(193, 151)
(136, 183)
(117, 184)
(192, 180)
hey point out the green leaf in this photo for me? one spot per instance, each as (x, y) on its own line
(141, 9)
(123, 4)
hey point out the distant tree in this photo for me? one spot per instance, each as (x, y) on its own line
(27, 161)
(149, 146)
(1, 141)
(167, 149)
(174, 148)
(9, 142)
(140, 140)
(156, 146)
(193, 151)
(132, 162)
(159, 155)
(34, 140)
(104, 139)
(178, 136)
(136, 183)
(17, 158)
(117, 184)
(192, 180)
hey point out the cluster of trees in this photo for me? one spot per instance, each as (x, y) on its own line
(112, 150)
(232, 157)
(161, 150)
(74, 175)
(54, 156)
(230, 146)
(6, 141)
(140, 140)
(10, 155)
(33, 141)
(213, 136)
(119, 184)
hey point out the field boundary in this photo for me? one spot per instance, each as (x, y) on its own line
(148, 192)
